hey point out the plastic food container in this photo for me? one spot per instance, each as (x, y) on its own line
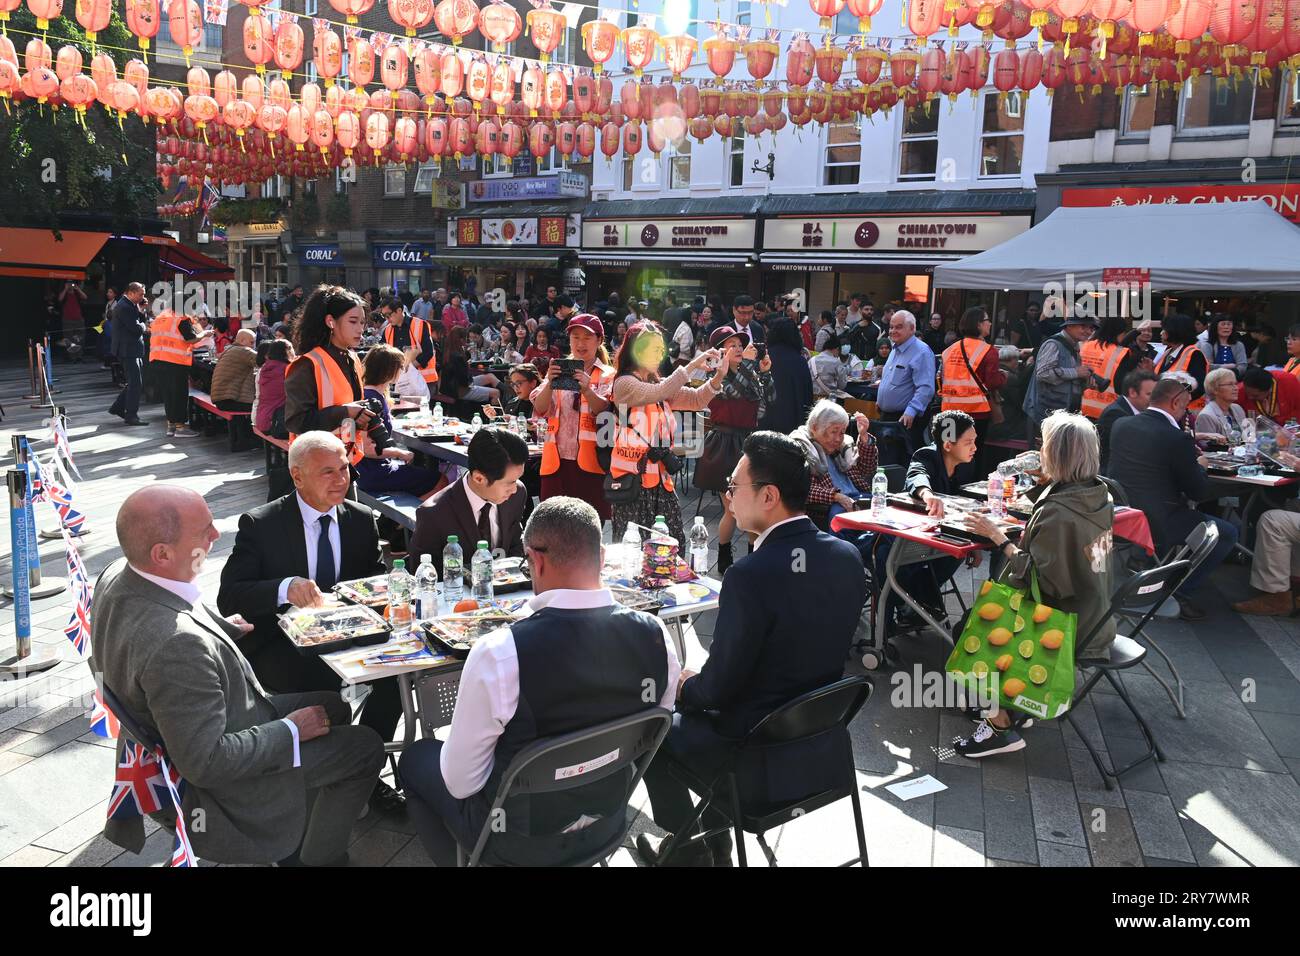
(321, 630)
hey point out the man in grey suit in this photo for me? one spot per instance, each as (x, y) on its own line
(269, 777)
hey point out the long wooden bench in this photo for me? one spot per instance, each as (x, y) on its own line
(238, 424)
(278, 482)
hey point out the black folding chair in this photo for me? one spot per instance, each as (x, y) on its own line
(133, 729)
(555, 764)
(821, 711)
(1202, 541)
(893, 443)
(1155, 585)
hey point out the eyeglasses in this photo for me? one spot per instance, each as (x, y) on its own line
(732, 486)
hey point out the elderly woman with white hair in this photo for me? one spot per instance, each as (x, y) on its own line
(1221, 414)
(842, 469)
(1066, 546)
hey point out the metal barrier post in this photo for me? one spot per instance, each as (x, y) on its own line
(37, 588)
(25, 659)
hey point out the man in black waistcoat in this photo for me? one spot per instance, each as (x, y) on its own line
(577, 661)
(786, 617)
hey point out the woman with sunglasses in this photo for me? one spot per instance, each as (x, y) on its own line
(645, 431)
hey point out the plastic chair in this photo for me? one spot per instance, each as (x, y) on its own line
(802, 719)
(893, 442)
(1124, 654)
(547, 766)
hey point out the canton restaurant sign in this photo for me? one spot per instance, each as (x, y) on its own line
(413, 255)
(563, 185)
(891, 233)
(1283, 197)
(669, 235)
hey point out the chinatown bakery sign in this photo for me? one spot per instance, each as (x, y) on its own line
(668, 235)
(903, 234)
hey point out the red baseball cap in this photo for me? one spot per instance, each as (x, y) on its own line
(585, 320)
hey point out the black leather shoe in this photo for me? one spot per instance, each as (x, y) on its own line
(387, 800)
(693, 854)
(121, 415)
(720, 846)
(136, 421)
(1188, 611)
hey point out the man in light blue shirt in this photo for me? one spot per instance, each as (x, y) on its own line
(422, 308)
(907, 385)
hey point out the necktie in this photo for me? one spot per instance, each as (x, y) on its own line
(325, 575)
(485, 525)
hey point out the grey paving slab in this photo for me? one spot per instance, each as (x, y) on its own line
(1045, 754)
(156, 852)
(1112, 840)
(46, 793)
(1009, 827)
(1236, 817)
(1282, 731)
(1062, 854)
(12, 760)
(76, 831)
(898, 834)
(1056, 811)
(954, 846)
(30, 856)
(1159, 831)
(376, 847)
(96, 851)
(1144, 776)
(54, 738)
(1006, 772)
(1088, 783)
(1277, 694)
(961, 806)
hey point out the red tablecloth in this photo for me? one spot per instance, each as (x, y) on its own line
(1131, 525)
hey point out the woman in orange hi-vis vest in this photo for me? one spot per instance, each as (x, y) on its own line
(972, 376)
(1110, 361)
(1183, 354)
(172, 338)
(322, 388)
(645, 430)
(1293, 351)
(570, 465)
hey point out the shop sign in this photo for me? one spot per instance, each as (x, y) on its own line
(409, 254)
(1126, 277)
(513, 231)
(564, 185)
(669, 234)
(1283, 197)
(904, 234)
(320, 254)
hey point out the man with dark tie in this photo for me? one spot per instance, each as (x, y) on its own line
(488, 504)
(292, 552)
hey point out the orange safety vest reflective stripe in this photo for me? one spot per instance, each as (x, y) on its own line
(333, 388)
(1293, 366)
(587, 459)
(419, 334)
(166, 344)
(644, 424)
(961, 389)
(1181, 364)
(1104, 361)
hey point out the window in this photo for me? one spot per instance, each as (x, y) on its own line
(342, 175)
(310, 7)
(846, 24)
(311, 71)
(1139, 110)
(394, 180)
(743, 8)
(1002, 141)
(424, 177)
(1288, 111)
(679, 164)
(309, 188)
(919, 149)
(564, 52)
(629, 165)
(737, 151)
(497, 166)
(843, 154)
(213, 34)
(1211, 105)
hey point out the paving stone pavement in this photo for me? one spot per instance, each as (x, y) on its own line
(1225, 796)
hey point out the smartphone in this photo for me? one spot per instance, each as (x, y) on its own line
(952, 539)
(761, 349)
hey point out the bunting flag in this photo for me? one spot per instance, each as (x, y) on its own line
(182, 852)
(144, 784)
(102, 720)
(35, 480)
(69, 517)
(77, 630)
(59, 435)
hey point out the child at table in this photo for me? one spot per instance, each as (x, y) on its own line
(394, 472)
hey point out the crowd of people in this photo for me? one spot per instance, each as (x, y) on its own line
(609, 391)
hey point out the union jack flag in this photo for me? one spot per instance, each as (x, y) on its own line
(182, 852)
(77, 630)
(140, 786)
(60, 438)
(102, 720)
(61, 498)
(34, 476)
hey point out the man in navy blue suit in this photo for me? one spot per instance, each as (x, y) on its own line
(786, 617)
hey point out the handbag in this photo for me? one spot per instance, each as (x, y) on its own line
(1016, 651)
(996, 416)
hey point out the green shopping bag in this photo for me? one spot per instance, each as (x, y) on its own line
(1017, 650)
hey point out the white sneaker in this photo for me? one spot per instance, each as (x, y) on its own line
(183, 432)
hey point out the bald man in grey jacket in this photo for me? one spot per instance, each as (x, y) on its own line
(270, 778)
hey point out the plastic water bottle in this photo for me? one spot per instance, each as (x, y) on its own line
(475, 424)
(399, 596)
(437, 416)
(1007, 472)
(423, 414)
(521, 427)
(631, 551)
(453, 571)
(661, 532)
(426, 589)
(480, 570)
(997, 504)
(699, 546)
(879, 493)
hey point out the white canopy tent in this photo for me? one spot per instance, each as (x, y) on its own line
(1242, 246)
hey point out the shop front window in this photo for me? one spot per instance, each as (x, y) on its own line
(737, 156)
(1288, 111)
(394, 180)
(919, 148)
(1002, 142)
(679, 164)
(843, 154)
(1139, 111)
(1212, 105)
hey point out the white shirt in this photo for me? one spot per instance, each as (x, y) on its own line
(758, 543)
(476, 505)
(411, 384)
(489, 694)
(190, 593)
(685, 341)
(1170, 418)
(311, 530)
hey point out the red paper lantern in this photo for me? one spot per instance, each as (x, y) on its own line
(259, 42)
(377, 131)
(1013, 22)
(93, 15)
(631, 139)
(184, 23)
(701, 128)
(352, 8)
(453, 76)
(678, 52)
(925, 17)
(459, 138)
(1006, 70)
(799, 62)
(541, 138)
(327, 53)
(142, 19)
(933, 62)
(456, 19)
(394, 67)
(77, 90)
(867, 63)
(45, 11)
(1232, 20)
(67, 62)
(499, 22)
(864, 10)
(639, 47)
(556, 91)
(827, 10)
(511, 141)
(599, 40)
(829, 61)
(289, 43)
(903, 66)
(502, 90)
(428, 73)
(1267, 31)
(720, 54)
(760, 58)
(478, 82)
(546, 29)
(413, 15)
(487, 137)
(310, 98)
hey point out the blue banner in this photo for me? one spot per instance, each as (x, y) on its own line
(409, 255)
(323, 254)
(18, 542)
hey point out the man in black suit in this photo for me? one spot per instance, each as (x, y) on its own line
(292, 552)
(777, 637)
(489, 503)
(1163, 474)
(128, 328)
(1134, 398)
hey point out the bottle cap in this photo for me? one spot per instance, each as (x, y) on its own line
(452, 539)
(482, 545)
(426, 559)
(399, 564)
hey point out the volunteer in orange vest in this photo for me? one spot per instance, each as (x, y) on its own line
(413, 333)
(322, 388)
(569, 462)
(172, 338)
(1292, 364)
(1183, 354)
(1109, 361)
(645, 430)
(972, 376)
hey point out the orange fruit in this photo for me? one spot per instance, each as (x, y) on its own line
(1013, 688)
(1042, 613)
(468, 604)
(990, 612)
(1052, 639)
(999, 636)
(1003, 662)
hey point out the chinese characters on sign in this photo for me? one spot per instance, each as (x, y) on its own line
(1282, 197)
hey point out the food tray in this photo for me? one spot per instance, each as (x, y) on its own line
(510, 574)
(456, 633)
(372, 592)
(320, 630)
(636, 599)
